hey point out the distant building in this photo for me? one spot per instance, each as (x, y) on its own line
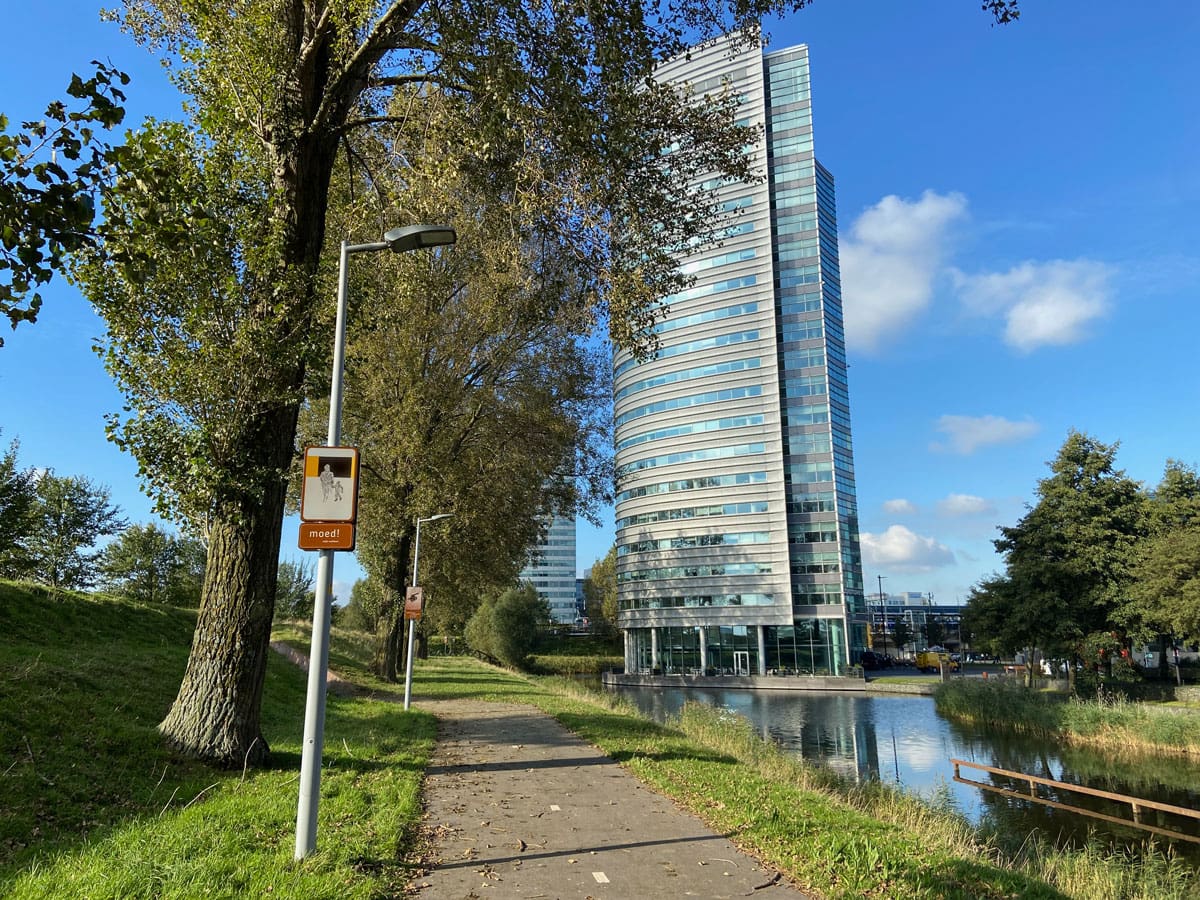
(919, 613)
(551, 569)
(737, 523)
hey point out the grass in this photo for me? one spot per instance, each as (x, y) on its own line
(91, 805)
(1117, 725)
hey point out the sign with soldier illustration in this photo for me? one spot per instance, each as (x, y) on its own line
(330, 490)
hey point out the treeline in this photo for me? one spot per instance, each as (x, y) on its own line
(1098, 565)
(50, 525)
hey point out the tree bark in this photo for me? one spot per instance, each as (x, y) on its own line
(215, 716)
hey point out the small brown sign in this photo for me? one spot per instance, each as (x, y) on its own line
(414, 602)
(326, 536)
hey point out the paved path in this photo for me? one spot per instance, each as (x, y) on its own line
(518, 807)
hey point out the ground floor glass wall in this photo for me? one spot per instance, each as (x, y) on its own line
(808, 647)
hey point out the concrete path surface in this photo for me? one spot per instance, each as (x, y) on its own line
(518, 807)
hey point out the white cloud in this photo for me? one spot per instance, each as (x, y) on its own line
(1049, 303)
(969, 433)
(903, 550)
(965, 505)
(889, 260)
(900, 507)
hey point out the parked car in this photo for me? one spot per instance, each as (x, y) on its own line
(871, 660)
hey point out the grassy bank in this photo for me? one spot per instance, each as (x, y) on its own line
(92, 805)
(1118, 726)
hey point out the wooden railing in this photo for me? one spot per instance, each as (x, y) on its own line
(1137, 804)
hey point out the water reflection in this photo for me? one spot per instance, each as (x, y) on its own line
(902, 740)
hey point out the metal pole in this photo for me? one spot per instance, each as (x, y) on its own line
(408, 664)
(318, 657)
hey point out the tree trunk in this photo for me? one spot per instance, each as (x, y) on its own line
(215, 716)
(395, 580)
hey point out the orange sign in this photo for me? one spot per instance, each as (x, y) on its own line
(326, 536)
(414, 601)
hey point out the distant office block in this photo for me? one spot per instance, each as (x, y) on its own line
(551, 569)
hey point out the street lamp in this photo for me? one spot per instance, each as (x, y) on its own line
(413, 622)
(398, 240)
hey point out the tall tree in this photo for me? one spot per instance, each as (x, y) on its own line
(468, 387)
(148, 563)
(294, 596)
(600, 591)
(18, 493)
(275, 91)
(1068, 558)
(1164, 593)
(71, 513)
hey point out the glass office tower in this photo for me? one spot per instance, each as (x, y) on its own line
(737, 526)
(551, 569)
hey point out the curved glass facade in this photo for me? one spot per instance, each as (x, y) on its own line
(737, 524)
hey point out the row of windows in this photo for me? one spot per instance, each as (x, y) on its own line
(805, 386)
(807, 414)
(723, 368)
(718, 287)
(816, 568)
(795, 195)
(693, 512)
(700, 318)
(735, 204)
(802, 331)
(813, 533)
(720, 340)
(797, 249)
(737, 393)
(697, 540)
(799, 143)
(712, 262)
(691, 428)
(794, 275)
(820, 501)
(804, 358)
(693, 484)
(809, 472)
(793, 170)
(697, 600)
(671, 459)
(793, 118)
(816, 594)
(807, 442)
(703, 571)
(803, 303)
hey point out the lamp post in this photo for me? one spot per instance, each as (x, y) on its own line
(408, 665)
(398, 240)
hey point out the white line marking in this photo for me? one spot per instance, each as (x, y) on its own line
(600, 877)
(554, 807)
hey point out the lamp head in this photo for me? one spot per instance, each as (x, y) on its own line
(417, 237)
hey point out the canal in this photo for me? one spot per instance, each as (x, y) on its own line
(901, 739)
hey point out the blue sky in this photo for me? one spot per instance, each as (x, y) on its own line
(1020, 256)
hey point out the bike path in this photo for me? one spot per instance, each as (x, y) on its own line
(517, 806)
